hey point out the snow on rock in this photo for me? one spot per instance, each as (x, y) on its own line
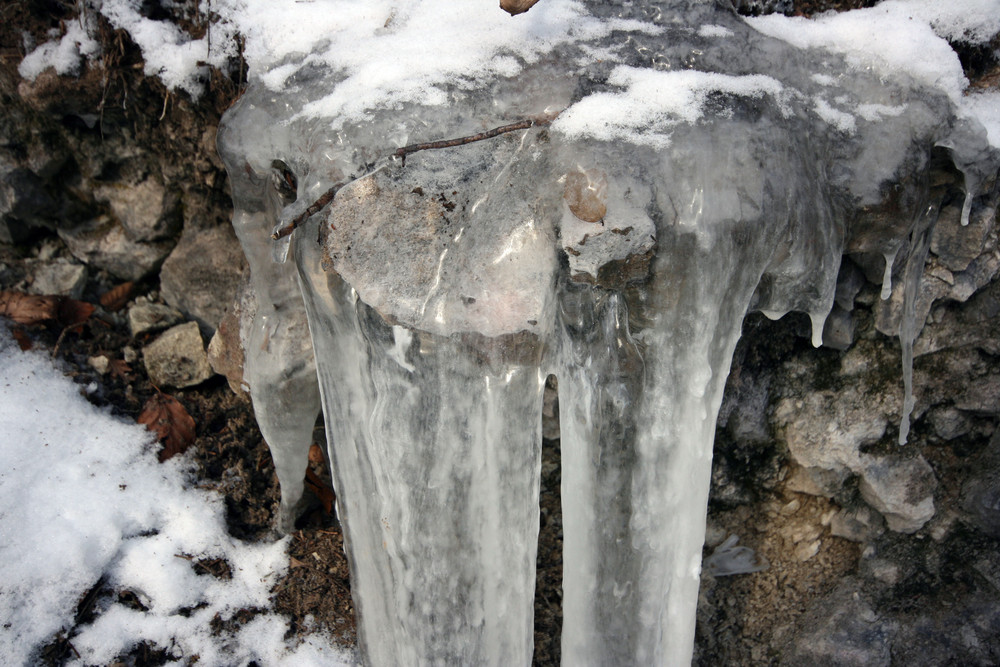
(82, 497)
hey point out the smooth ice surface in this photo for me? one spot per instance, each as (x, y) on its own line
(690, 175)
(82, 496)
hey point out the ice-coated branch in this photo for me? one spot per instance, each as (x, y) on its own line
(327, 197)
(312, 210)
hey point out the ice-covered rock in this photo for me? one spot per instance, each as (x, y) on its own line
(667, 168)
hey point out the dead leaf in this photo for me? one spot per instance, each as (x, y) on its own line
(515, 7)
(33, 309)
(315, 454)
(116, 297)
(73, 313)
(585, 193)
(164, 415)
(28, 308)
(119, 368)
(21, 336)
(322, 491)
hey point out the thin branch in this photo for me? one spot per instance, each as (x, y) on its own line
(313, 209)
(327, 197)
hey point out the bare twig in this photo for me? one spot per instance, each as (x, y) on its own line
(327, 197)
(313, 209)
(525, 124)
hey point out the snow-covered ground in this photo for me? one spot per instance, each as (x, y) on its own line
(82, 496)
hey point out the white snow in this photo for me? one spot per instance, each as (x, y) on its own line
(985, 107)
(860, 36)
(82, 496)
(64, 54)
(394, 53)
(652, 102)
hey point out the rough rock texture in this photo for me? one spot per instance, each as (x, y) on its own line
(147, 317)
(177, 358)
(202, 274)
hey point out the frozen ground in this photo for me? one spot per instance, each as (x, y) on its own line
(82, 497)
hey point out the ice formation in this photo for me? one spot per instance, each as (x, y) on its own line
(696, 168)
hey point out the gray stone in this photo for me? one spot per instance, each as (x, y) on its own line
(956, 246)
(970, 323)
(856, 525)
(841, 629)
(949, 422)
(825, 429)
(202, 274)
(147, 210)
(902, 489)
(146, 317)
(60, 276)
(103, 242)
(838, 332)
(177, 358)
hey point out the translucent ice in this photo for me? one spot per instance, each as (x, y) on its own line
(689, 176)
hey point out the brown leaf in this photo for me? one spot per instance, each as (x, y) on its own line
(164, 415)
(585, 193)
(28, 308)
(21, 336)
(322, 491)
(33, 309)
(515, 7)
(316, 454)
(119, 368)
(116, 297)
(72, 313)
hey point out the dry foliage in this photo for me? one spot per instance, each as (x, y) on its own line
(34, 309)
(174, 427)
(116, 298)
(515, 7)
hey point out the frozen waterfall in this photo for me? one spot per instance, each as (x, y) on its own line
(683, 168)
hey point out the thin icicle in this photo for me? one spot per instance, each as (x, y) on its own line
(890, 259)
(920, 243)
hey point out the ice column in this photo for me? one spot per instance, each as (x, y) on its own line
(434, 404)
(279, 365)
(691, 175)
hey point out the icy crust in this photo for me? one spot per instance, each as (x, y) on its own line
(852, 125)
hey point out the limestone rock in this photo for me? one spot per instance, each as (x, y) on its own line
(177, 358)
(103, 242)
(902, 489)
(825, 429)
(956, 246)
(59, 276)
(146, 317)
(147, 210)
(841, 629)
(202, 274)
(225, 353)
